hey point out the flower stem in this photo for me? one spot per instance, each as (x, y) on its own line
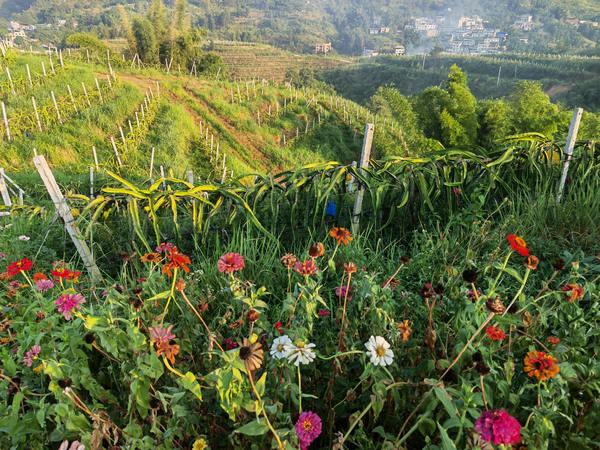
(483, 392)
(201, 320)
(263, 409)
(337, 355)
(299, 391)
(344, 313)
(393, 276)
(546, 285)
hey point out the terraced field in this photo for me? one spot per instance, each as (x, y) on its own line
(249, 60)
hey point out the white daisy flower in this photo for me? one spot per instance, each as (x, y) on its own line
(300, 353)
(4, 213)
(7, 226)
(379, 351)
(23, 238)
(279, 347)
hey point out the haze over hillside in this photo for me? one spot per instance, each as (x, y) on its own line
(351, 26)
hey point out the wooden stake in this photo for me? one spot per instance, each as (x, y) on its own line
(56, 107)
(91, 181)
(364, 163)
(37, 116)
(52, 65)
(130, 127)
(12, 86)
(569, 146)
(72, 99)
(112, 141)
(4, 190)
(157, 89)
(44, 69)
(137, 119)
(61, 59)
(123, 137)
(152, 164)
(99, 91)
(95, 157)
(5, 121)
(87, 52)
(64, 211)
(87, 98)
(162, 175)
(29, 75)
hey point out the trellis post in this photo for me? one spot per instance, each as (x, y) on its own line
(61, 206)
(5, 121)
(364, 163)
(37, 116)
(29, 75)
(12, 86)
(569, 146)
(56, 107)
(95, 156)
(112, 141)
(99, 91)
(72, 99)
(87, 98)
(4, 190)
(152, 166)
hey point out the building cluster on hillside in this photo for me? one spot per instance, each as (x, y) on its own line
(18, 30)
(323, 47)
(468, 35)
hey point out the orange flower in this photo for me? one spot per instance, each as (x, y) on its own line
(316, 250)
(518, 243)
(167, 349)
(405, 329)
(176, 260)
(151, 257)
(541, 365)
(39, 276)
(553, 340)
(341, 235)
(575, 290)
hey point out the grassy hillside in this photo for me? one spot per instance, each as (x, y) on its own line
(259, 126)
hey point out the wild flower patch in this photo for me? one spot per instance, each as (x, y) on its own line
(331, 355)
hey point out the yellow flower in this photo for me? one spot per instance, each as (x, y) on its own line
(75, 212)
(200, 444)
(253, 338)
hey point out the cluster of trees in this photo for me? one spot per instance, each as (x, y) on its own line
(452, 116)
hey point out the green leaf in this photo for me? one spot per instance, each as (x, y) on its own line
(254, 428)
(444, 397)
(190, 382)
(447, 443)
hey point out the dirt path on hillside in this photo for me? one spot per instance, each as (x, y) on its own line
(558, 89)
(254, 147)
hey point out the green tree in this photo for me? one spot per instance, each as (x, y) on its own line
(145, 40)
(532, 110)
(494, 121)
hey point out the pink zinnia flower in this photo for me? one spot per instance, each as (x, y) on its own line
(457, 192)
(30, 355)
(230, 344)
(340, 291)
(499, 427)
(68, 302)
(230, 262)
(162, 248)
(44, 285)
(323, 313)
(308, 428)
(306, 268)
(161, 335)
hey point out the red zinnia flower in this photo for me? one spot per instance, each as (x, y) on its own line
(306, 268)
(575, 290)
(230, 262)
(495, 333)
(518, 243)
(279, 327)
(39, 276)
(61, 272)
(176, 260)
(14, 268)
